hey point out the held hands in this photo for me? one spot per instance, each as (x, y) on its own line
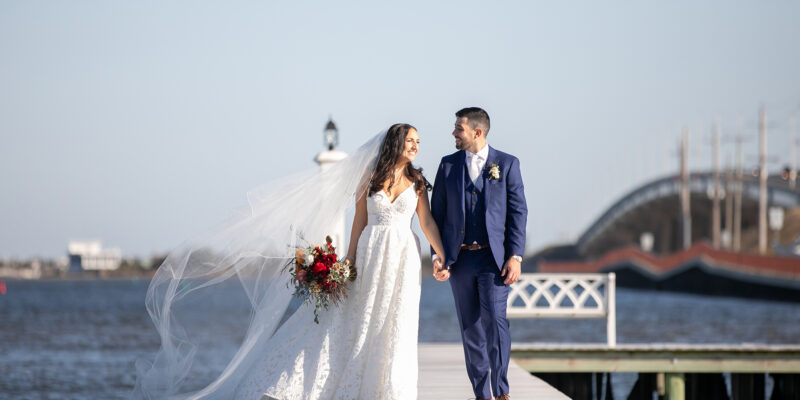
(511, 271)
(439, 272)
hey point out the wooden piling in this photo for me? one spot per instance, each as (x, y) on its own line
(676, 386)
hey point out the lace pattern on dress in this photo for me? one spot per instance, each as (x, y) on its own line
(366, 348)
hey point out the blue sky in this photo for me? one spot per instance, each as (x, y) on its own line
(142, 123)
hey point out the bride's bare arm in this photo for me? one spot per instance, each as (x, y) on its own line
(359, 222)
(428, 225)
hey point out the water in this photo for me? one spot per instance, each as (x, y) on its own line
(79, 339)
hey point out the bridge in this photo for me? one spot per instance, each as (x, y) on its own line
(655, 208)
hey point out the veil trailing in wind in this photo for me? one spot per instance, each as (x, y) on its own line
(245, 255)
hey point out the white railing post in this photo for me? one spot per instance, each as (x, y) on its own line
(611, 319)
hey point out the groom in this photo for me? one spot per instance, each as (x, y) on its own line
(478, 203)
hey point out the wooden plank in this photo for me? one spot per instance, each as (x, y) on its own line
(676, 358)
(443, 376)
(744, 347)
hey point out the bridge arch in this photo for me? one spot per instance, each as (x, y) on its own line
(655, 208)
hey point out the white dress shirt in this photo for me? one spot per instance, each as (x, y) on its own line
(478, 158)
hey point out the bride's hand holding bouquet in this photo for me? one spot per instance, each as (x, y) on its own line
(319, 277)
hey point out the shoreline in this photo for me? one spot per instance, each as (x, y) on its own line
(81, 278)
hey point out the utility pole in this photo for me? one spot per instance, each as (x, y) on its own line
(715, 209)
(686, 217)
(728, 202)
(762, 182)
(739, 188)
(793, 154)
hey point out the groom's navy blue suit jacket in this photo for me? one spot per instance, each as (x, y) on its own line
(506, 209)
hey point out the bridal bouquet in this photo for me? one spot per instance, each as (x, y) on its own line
(319, 277)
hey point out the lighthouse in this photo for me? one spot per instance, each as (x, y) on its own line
(326, 158)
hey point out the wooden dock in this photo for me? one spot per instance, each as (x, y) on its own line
(666, 368)
(443, 376)
(657, 357)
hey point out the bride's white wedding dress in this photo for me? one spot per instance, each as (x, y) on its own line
(366, 347)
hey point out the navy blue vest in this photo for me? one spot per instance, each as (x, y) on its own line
(475, 230)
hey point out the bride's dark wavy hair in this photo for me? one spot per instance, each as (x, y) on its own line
(391, 149)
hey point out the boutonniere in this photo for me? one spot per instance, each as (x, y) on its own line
(494, 171)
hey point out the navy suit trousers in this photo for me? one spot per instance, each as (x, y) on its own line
(480, 298)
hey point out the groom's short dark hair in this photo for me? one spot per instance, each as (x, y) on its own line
(476, 117)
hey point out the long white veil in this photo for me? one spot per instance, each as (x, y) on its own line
(247, 253)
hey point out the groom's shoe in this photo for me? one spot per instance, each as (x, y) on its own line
(503, 397)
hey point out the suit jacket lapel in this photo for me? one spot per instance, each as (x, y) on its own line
(487, 186)
(457, 179)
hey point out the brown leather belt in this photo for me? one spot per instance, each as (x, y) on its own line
(474, 246)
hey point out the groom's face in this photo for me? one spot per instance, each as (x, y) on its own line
(464, 134)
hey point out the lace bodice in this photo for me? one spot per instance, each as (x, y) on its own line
(380, 211)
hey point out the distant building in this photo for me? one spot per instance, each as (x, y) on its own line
(20, 269)
(89, 255)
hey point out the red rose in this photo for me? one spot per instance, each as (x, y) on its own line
(328, 285)
(319, 268)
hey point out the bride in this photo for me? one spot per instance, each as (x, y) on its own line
(364, 348)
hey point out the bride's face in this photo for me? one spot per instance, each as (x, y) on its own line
(411, 146)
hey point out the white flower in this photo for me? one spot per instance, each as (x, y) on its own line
(346, 272)
(494, 171)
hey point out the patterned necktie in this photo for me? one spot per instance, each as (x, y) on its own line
(474, 171)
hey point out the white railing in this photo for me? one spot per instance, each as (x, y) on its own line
(543, 295)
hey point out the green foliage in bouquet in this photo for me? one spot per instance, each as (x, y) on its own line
(319, 277)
